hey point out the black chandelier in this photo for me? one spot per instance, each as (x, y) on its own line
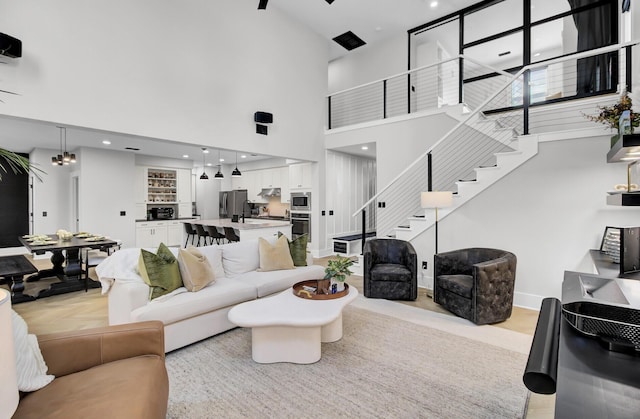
(236, 172)
(219, 175)
(64, 158)
(204, 176)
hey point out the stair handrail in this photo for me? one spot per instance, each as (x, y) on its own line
(576, 56)
(417, 69)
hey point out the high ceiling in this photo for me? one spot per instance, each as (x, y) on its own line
(373, 21)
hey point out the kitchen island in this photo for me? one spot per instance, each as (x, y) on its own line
(251, 228)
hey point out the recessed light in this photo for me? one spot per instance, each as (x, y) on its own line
(205, 151)
(537, 54)
(433, 4)
(185, 156)
(221, 159)
(244, 156)
(106, 142)
(364, 147)
(209, 164)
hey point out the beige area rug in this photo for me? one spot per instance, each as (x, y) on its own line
(383, 367)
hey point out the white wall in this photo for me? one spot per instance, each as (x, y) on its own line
(549, 212)
(367, 64)
(106, 188)
(192, 71)
(398, 143)
(51, 195)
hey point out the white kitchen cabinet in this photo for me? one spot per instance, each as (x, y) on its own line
(150, 234)
(239, 182)
(253, 185)
(184, 185)
(184, 210)
(271, 178)
(285, 196)
(162, 185)
(175, 230)
(140, 185)
(300, 176)
(141, 211)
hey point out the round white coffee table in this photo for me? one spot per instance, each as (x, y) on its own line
(286, 328)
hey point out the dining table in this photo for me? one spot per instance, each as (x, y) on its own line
(66, 260)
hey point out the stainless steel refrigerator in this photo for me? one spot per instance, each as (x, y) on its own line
(232, 203)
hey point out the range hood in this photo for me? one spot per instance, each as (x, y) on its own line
(268, 192)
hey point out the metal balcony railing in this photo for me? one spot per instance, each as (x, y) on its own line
(504, 106)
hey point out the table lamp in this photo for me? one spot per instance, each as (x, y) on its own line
(436, 200)
(9, 389)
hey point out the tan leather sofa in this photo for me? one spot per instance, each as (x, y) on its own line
(108, 372)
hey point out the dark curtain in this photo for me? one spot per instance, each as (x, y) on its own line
(594, 31)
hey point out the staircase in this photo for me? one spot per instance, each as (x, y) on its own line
(523, 147)
(486, 144)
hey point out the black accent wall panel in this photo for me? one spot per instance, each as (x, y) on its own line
(14, 206)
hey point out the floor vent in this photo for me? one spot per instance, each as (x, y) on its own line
(349, 41)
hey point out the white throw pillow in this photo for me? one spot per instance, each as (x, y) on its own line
(214, 255)
(30, 366)
(240, 257)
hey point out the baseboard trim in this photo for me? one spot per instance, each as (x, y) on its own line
(529, 301)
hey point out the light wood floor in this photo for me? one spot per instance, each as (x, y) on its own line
(80, 310)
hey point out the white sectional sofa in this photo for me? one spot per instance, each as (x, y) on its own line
(192, 316)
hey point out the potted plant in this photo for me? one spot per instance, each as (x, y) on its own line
(337, 271)
(610, 115)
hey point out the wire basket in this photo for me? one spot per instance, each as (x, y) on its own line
(619, 327)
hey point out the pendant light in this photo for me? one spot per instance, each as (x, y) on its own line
(204, 176)
(236, 172)
(64, 158)
(219, 175)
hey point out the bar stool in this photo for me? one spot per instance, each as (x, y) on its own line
(214, 234)
(202, 233)
(188, 228)
(230, 235)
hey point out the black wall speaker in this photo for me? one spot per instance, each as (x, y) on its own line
(263, 117)
(261, 129)
(10, 46)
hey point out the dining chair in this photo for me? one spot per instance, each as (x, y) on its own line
(214, 234)
(202, 233)
(93, 257)
(188, 229)
(230, 234)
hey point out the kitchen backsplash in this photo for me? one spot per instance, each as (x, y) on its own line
(277, 209)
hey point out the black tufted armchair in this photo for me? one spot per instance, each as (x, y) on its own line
(390, 269)
(475, 283)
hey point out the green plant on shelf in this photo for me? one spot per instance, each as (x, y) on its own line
(610, 115)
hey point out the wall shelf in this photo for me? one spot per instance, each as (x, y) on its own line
(624, 199)
(628, 143)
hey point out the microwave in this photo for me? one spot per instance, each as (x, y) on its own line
(165, 213)
(301, 201)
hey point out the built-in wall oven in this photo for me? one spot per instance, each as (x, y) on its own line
(300, 224)
(301, 201)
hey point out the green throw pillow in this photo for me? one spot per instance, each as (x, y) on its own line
(160, 271)
(298, 249)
